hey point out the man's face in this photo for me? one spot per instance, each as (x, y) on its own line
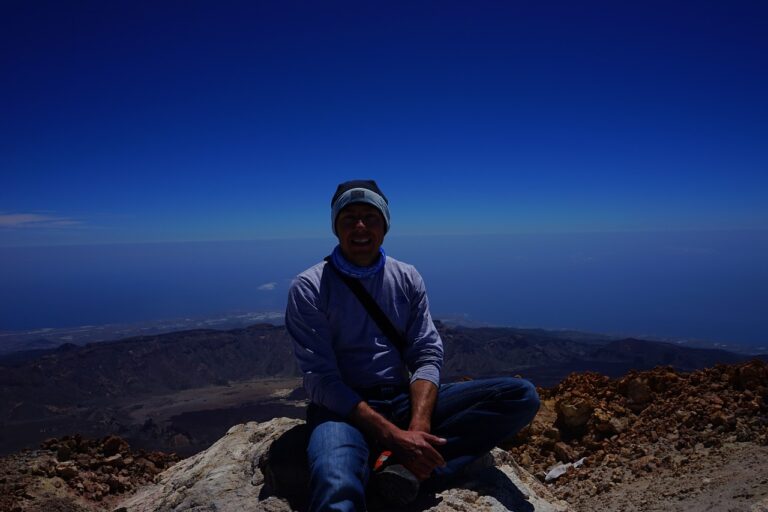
(360, 228)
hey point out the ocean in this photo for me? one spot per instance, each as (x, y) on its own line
(708, 285)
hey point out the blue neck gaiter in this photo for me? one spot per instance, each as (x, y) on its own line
(353, 270)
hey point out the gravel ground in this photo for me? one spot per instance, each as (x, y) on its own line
(733, 478)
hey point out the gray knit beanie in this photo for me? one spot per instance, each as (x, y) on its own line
(359, 191)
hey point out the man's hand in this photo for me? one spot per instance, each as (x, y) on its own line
(415, 450)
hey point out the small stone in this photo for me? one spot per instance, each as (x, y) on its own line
(64, 453)
(564, 452)
(67, 471)
(114, 460)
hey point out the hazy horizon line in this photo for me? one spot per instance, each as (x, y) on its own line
(395, 236)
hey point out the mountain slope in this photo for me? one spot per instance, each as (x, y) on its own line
(93, 388)
(152, 365)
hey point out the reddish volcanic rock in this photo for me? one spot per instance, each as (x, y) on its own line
(93, 470)
(642, 422)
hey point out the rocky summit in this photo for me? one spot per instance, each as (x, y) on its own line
(650, 441)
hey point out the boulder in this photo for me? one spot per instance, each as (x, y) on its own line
(573, 413)
(113, 445)
(752, 375)
(261, 467)
(639, 393)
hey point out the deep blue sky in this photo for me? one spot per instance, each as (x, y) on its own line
(168, 121)
(629, 140)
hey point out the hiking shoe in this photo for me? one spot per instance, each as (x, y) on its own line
(395, 485)
(481, 463)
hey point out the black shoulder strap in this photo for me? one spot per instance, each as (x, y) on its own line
(373, 309)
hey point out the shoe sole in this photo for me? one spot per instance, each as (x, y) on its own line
(396, 485)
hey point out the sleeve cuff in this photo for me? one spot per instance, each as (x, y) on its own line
(428, 372)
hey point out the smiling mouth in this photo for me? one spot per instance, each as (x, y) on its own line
(361, 241)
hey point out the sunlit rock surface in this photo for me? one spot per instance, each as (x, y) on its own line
(241, 473)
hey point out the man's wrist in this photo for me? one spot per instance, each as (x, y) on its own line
(421, 425)
(423, 398)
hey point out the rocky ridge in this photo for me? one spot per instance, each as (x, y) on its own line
(42, 383)
(92, 389)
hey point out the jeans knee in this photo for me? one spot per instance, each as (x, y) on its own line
(338, 465)
(337, 483)
(344, 462)
(523, 400)
(531, 400)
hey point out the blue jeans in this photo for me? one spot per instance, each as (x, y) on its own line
(472, 416)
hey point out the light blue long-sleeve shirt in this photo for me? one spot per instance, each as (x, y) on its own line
(340, 348)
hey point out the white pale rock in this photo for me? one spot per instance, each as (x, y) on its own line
(226, 478)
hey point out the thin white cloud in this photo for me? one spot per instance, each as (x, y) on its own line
(267, 286)
(35, 220)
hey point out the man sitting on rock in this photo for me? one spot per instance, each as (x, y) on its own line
(370, 397)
